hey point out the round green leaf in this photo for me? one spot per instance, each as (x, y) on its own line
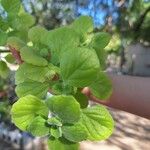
(101, 87)
(74, 133)
(62, 144)
(34, 88)
(38, 127)
(4, 70)
(26, 109)
(79, 66)
(65, 107)
(11, 6)
(29, 56)
(98, 122)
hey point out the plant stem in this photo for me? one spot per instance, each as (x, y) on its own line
(16, 54)
(4, 51)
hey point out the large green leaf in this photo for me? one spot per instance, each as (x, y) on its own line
(3, 38)
(101, 87)
(65, 107)
(11, 6)
(26, 109)
(29, 56)
(4, 70)
(79, 66)
(35, 73)
(38, 127)
(62, 144)
(61, 39)
(98, 122)
(34, 88)
(74, 133)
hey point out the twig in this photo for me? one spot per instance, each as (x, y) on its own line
(16, 54)
(4, 51)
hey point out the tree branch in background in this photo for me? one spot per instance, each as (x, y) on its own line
(141, 20)
(16, 54)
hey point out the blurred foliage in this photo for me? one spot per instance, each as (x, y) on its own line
(125, 19)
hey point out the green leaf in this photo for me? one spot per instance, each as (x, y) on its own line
(35, 73)
(60, 40)
(62, 144)
(29, 56)
(82, 99)
(34, 88)
(10, 59)
(22, 22)
(36, 33)
(100, 40)
(3, 38)
(15, 42)
(26, 109)
(38, 127)
(101, 87)
(56, 132)
(4, 70)
(3, 24)
(98, 122)
(83, 24)
(11, 6)
(79, 66)
(53, 121)
(74, 133)
(65, 107)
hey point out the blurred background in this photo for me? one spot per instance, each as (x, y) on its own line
(128, 53)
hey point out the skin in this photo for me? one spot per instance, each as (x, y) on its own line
(130, 94)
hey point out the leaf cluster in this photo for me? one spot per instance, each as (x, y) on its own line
(63, 61)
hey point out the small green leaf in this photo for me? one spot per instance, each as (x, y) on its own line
(26, 109)
(62, 144)
(56, 132)
(9, 58)
(35, 33)
(65, 107)
(100, 40)
(11, 6)
(22, 22)
(101, 87)
(29, 56)
(54, 122)
(4, 70)
(34, 73)
(3, 24)
(34, 88)
(82, 99)
(3, 38)
(74, 133)
(38, 127)
(98, 122)
(79, 66)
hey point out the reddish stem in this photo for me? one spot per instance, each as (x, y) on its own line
(16, 54)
